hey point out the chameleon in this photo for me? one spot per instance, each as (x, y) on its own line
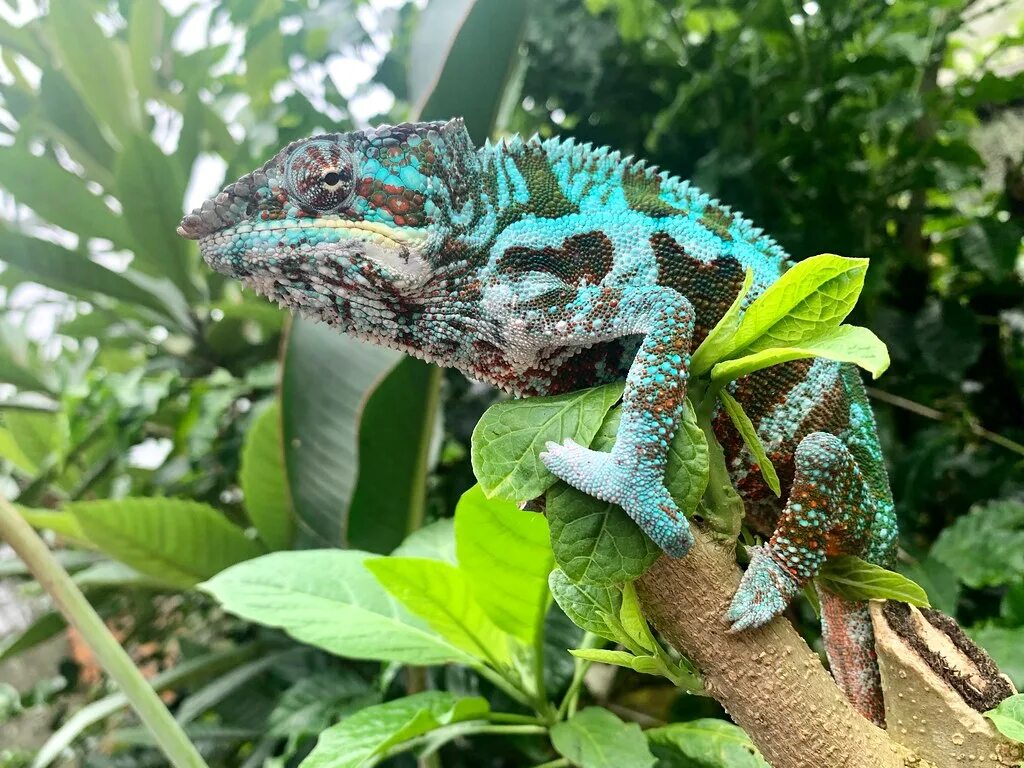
(546, 266)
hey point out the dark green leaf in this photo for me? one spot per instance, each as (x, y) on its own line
(595, 738)
(995, 529)
(704, 743)
(263, 480)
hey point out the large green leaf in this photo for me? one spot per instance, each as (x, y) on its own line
(263, 480)
(441, 594)
(58, 196)
(326, 380)
(463, 53)
(855, 579)
(506, 556)
(811, 298)
(176, 541)
(329, 599)
(847, 343)
(1008, 717)
(596, 738)
(77, 275)
(589, 606)
(358, 740)
(9, 448)
(98, 67)
(151, 188)
(985, 548)
(509, 438)
(704, 743)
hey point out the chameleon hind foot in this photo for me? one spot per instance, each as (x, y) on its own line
(764, 593)
(642, 495)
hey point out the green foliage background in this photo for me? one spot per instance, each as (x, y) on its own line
(868, 129)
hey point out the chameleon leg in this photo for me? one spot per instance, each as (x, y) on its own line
(633, 474)
(850, 644)
(830, 511)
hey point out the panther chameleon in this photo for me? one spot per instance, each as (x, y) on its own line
(543, 266)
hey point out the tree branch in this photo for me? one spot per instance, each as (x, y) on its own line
(768, 680)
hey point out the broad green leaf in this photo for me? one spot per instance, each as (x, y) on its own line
(595, 542)
(62, 523)
(812, 297)
(263, 480)
(596, 738)
(98, 67)
(313, 703)
(326, 380)
(357, 740)
(40, 435)
(75, 274)
(151, 188)
(12, 452)
(938, 580)
(177, 541)
(1003, 644)
(399, 433)
(588, 605)
(710, 350)
(506, 555)
(435, 541)
(704, 743)
(462, 55)
(847, 344)
(441, 594)
(1008, 717)
(509, 438)
(327, 598)
(854, 579)
(995, 529)
(750, 438)
(58, 196)
(39, 631)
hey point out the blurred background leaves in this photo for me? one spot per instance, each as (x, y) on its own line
(131, 373)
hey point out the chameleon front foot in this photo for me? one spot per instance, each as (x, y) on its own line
(641, 494)
(764, 593)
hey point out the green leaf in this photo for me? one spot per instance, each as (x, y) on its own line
(64, 524)
(462, 54)
(847, 344)
(357, 740)
(814, 296)
(506, 556)
(854, 579)
(109, 574)
(11, 451)
(177, 541)
(686, 472)
(98, 67)
(588, 605)
(326, 380)
(441, 594)
(329, 599)
(41, 436)
(58, 196)
(632, 619)
(435, 541)
(750, 438)
(152, 210)
(605, 656)
(509, 438)
(595, 542)
(263, 480)
(313, 703)
(77, 275)
(704, 743)
(715, 343)
(39, 631)
(995, 529)
(595, 738)
(1008, 717)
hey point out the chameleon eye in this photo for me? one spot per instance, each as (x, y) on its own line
(319, 175)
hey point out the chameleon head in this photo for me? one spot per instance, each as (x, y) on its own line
(341, 224)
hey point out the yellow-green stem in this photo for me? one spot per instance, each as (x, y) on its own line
(112, 657)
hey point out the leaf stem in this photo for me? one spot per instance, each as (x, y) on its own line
(510, 688)
(580, 666)
(113, 658)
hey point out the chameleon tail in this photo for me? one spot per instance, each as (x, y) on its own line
(850, 645)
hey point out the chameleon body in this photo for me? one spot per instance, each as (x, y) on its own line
(547, 266)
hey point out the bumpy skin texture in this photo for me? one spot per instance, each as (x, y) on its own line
(547, 266)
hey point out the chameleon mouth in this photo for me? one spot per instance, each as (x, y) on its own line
(366, 231)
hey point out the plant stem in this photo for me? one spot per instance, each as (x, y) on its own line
(510, 689)
(580, 666)
(111, 656)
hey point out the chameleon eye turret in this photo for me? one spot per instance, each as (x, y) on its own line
(547, 266)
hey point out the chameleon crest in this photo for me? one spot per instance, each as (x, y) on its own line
(547, 266)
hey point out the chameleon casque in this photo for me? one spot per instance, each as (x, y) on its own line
(547, 266)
